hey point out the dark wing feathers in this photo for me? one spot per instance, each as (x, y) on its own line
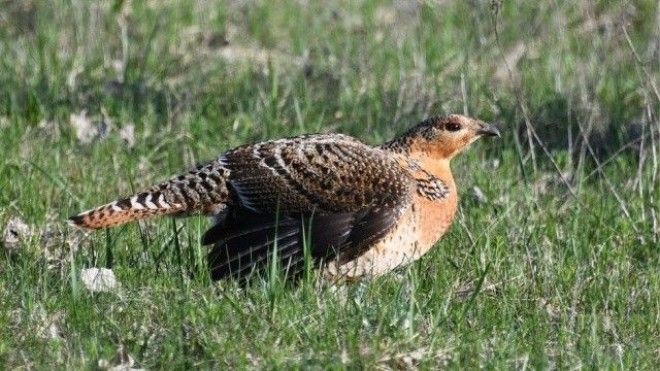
(369, 229)
(336, 192)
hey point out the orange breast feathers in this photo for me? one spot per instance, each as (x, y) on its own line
(436, 207)
(434, 219)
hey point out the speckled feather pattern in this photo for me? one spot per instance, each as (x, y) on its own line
(327, 172)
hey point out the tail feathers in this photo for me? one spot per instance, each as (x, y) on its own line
(141, 206)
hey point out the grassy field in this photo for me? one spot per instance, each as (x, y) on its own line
(553, 261)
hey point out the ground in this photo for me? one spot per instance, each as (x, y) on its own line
(553, 260)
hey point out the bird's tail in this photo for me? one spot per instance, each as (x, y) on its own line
(201, 190)
(141, 206)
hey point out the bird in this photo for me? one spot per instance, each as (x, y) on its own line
(353, 210)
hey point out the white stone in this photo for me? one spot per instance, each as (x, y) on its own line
(99, 279)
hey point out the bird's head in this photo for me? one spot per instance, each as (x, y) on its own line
(443, 138)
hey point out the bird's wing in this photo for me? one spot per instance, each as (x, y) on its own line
(332, 191)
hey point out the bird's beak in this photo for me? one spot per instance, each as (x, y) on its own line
(488, 130)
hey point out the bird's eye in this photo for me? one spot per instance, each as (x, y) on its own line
(452, 126)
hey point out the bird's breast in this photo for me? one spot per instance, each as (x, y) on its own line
(418, 230)
(434, 218)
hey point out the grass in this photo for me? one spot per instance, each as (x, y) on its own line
(552, 262)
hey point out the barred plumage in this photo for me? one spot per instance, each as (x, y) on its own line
(363, 210)
(202, 190)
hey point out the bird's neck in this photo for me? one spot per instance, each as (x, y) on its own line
(411, 145)
(440, 168)
(401, 145)
(429, 160)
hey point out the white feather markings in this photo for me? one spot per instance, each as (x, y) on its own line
(161, 201)
(136, 205)
(149, 203)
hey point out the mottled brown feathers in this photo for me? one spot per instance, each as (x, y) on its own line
(326, 172)
(353, 208)
(202, 190)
